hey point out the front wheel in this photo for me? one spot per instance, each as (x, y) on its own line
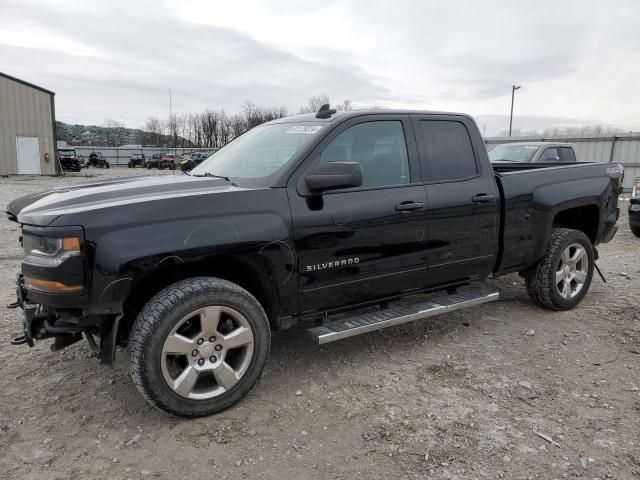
(635, 231)
(561, 279)
(198, 346)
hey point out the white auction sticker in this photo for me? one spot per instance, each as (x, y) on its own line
(306, 129)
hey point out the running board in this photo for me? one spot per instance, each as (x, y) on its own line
(370, 322)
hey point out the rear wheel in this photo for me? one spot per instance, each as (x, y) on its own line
(198, 346)
(562, 278)
(635, 231)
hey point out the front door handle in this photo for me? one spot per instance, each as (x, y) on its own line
(483, 198)
(409, 206)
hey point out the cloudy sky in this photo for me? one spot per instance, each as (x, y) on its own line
(578, 61)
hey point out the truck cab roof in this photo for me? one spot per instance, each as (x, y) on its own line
(346, 115)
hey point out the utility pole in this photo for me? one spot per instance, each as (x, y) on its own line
(171, 120)
(513, 92)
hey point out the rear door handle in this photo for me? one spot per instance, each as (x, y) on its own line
(483, 198)
(409, 206)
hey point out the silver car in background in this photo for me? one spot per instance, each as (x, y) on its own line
(531, 152)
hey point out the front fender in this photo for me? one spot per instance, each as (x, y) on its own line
(124, 256)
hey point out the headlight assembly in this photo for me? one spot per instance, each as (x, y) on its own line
(49, 251)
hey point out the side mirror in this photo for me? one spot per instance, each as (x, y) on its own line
(334, 175)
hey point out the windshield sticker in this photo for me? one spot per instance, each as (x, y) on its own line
(306, 129)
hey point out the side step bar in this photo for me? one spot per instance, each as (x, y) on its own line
(369, 322)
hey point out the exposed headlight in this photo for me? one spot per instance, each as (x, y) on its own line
(43, 251)
(49, 251)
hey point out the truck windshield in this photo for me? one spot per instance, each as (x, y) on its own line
(258, 153)
(512, 153)
(66, 153)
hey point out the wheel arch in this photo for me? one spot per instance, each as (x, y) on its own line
(251, 272)
(585, 218)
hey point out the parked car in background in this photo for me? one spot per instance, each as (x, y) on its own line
(169, 160)
(96, 159)
(192, 160)
(533, 152)
(154, 160)
(137, 160)
(69, 159)
(634, 209)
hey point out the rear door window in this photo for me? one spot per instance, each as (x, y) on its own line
(567, 154)
(449, 153)
(550, 154)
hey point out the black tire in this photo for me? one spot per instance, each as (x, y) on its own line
(129, 165)
(156, 321)
(541, 279)
(635, 231)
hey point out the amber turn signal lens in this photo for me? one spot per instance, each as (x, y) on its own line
(70, 243)
(50, 286)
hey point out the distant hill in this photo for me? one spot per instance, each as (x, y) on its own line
(111, 136)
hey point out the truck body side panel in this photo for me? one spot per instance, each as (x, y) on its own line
(533, 199)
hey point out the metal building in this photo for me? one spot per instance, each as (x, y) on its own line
(27, 128)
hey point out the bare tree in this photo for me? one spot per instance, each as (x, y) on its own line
(153, 131)
(344, 106)
(113, 132)
(584, 131)
(314, 103)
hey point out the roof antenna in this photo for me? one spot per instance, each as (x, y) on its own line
(325, 111)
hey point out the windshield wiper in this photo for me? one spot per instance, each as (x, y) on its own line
(209, 174)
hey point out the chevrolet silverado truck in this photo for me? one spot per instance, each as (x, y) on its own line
(297, 220)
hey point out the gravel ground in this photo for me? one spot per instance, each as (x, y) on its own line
(456, 397)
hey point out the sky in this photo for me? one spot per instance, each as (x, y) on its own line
(578, 61)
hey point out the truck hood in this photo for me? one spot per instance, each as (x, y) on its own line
(43, 208)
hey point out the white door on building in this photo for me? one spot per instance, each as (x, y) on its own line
(28, 155)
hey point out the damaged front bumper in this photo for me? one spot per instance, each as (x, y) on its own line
(28, 314)
(39, 323)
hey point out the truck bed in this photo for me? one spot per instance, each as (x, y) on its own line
(532, 193)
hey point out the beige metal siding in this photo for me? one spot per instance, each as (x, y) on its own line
(24, 112)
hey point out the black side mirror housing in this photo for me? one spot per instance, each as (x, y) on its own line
(334, 175)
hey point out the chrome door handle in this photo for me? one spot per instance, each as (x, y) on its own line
(482, 198)
(409, 206)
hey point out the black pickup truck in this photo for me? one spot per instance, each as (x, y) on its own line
(298, 219)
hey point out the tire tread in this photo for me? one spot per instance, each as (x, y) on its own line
(160, 307)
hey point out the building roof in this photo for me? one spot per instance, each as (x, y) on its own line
(26, 83)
